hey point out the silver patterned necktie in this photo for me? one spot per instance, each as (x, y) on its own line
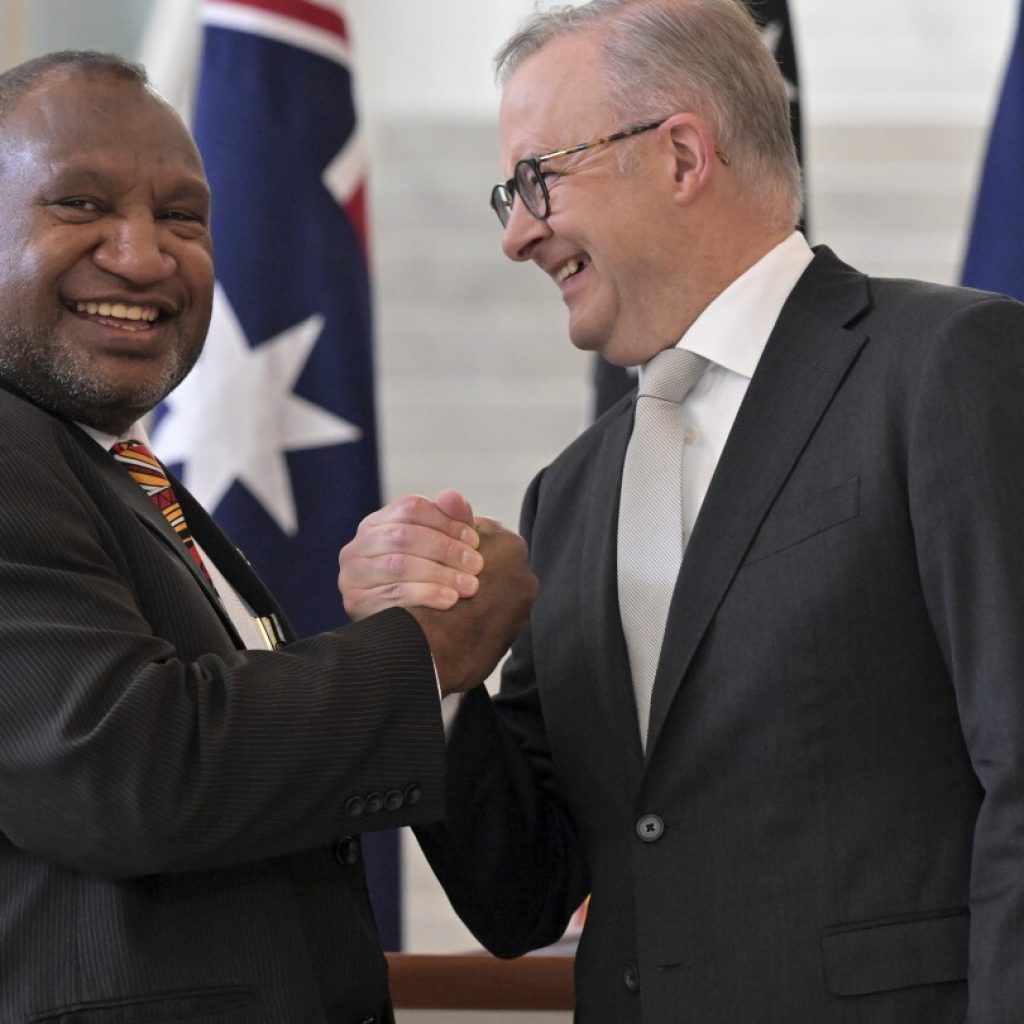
(650, 539)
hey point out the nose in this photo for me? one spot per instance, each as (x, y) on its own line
(523, 233)
(133, 249)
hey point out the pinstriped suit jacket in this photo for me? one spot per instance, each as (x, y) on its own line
(175, 811)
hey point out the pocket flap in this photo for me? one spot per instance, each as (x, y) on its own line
(902, 953)
(224, 1005)
(789, 526)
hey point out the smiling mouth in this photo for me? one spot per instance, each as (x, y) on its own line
(121, 315)
(570, 268)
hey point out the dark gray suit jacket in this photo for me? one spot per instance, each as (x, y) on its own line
(177, 815)
(828, 826)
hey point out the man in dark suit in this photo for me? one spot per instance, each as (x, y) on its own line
(814, 811)
(179, 809)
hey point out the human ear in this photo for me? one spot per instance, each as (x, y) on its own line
(693, 154)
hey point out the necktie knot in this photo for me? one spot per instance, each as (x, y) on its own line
(145, 469)
(670, 375)
(142, 465)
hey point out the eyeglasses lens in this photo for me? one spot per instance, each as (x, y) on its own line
(501, 203)
(530, 187)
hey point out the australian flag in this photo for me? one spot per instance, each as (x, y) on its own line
(612, 382)
(995, 253)
(275, 432)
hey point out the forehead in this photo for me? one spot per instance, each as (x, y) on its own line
(75, 118)
(557, 97)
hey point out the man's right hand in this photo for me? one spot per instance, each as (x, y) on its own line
(427, 557)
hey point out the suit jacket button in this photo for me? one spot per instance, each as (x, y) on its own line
(355, 806)
(631, 977)
(346, 851)
(650, 828)
(374, 802)
(393, 800)
(413, 794)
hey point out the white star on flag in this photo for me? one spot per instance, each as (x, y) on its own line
(235, 415)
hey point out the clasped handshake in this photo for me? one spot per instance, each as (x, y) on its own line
(464, 578)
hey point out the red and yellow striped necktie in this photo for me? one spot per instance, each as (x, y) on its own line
(145, 469)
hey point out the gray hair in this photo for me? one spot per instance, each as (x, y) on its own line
(22, 78)
(704, 56)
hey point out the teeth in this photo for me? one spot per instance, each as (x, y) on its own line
(567, 270)
(118, 311)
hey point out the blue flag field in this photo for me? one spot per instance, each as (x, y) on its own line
(995, 253)
(275, 431)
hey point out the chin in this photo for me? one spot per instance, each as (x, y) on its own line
(588, 341)
(604, 343)
(617, 355)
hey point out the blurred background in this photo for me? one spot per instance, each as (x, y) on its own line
(477, 385)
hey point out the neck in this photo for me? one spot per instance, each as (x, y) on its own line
(721, 254)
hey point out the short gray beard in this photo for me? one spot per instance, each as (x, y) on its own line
(59, 379)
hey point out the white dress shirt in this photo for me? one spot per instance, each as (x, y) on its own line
(732, 333)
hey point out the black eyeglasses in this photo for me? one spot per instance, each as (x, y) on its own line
(527, 179)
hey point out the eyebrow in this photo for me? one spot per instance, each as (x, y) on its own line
(84, 174)
(196, 189)
(192, 188)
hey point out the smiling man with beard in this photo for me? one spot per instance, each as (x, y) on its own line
(100, 321)
(180, 801)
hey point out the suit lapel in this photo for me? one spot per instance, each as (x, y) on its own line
(804, 362)
(604, 640)
(226, 557)
(230, 560)
(139, 502)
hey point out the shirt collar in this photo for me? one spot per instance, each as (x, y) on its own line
(136, 432)
(734, 328)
